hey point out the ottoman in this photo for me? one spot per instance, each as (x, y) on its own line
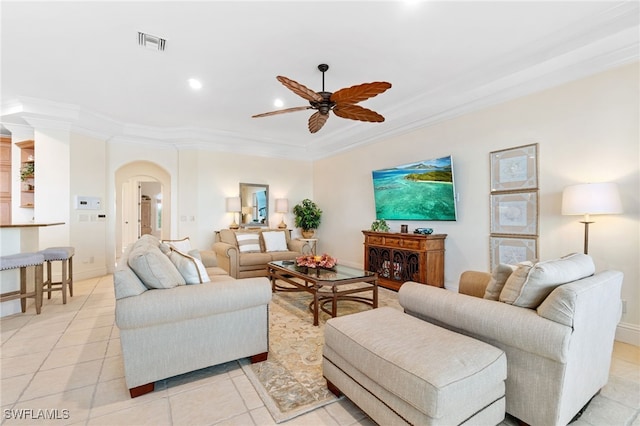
(401, 370)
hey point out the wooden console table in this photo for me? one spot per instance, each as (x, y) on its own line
(398, 257)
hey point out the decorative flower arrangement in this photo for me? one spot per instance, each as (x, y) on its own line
(311, 261)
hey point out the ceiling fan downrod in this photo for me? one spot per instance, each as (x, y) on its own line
(325, 105)
(323, 68)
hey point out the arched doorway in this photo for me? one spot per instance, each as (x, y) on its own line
(137, 182)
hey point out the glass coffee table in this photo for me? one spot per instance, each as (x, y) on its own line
(332, 282)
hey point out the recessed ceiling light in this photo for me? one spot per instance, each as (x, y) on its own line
(195, 84)
(278, 103)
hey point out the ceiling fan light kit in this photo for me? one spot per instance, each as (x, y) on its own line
(342, 103)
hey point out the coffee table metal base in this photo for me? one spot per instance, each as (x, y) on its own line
(307, 282)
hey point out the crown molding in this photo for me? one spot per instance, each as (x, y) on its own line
(587, 47)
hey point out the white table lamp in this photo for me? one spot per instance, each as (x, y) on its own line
(591, 198)
(282, 206)
(233, 206)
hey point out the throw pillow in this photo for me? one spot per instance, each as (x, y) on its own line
(183, 245)
(248, 242)
(127, 283)
(191, 269)
(154, 268)
(529, 289)
(560, 305)
(275, 241)
(498, 280)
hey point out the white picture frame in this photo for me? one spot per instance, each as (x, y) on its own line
(514, 213)
(515, 168)
(512, 250)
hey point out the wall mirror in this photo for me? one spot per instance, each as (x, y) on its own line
(254, 199)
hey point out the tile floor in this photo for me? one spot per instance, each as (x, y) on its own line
(66, 364)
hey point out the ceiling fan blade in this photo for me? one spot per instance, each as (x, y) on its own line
(316, 121)
(356, 112)
(355, 94)
(300, 89)
(281, 111)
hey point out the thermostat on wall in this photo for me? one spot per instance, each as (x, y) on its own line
(88, 203)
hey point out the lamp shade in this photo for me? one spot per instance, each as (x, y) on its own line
(282, 205)
(233, 204)
(591, 198)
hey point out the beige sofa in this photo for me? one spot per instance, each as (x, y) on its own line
(558, 352)
(168, 328)
(250, 260)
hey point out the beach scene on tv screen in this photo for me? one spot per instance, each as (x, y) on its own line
(417, 191)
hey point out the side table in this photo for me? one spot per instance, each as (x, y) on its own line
(312, 242)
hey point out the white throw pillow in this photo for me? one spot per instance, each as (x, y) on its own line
(191, 269)
(275, 241)
(183, 245)
(248, 242)
(529, 288)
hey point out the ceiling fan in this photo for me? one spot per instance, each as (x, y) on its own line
(342, 103)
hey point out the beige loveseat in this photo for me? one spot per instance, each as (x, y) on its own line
(558, 348)
(168, 327)
(245, 253)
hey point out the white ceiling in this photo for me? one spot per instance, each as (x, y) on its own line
(79, 62)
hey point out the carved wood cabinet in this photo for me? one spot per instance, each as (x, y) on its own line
(398, 257)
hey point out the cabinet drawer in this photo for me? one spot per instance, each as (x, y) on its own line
(375, 240)
(393, 242)
(412, 244)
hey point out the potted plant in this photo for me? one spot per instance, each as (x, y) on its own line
(26, 171)
(307, 217)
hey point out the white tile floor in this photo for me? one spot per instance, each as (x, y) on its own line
(66, 363)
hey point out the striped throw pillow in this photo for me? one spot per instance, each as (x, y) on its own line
(248, 243)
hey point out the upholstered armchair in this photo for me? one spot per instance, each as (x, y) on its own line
(558, 351)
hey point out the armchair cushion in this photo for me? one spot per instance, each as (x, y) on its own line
(529, 285)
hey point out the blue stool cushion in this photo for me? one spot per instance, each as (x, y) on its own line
(20, 260)
(57, 253)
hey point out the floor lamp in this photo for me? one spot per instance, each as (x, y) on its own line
(591, 198)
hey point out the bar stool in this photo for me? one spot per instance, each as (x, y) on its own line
(23, 261)
(65, 255)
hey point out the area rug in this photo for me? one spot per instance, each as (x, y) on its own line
(290, 381)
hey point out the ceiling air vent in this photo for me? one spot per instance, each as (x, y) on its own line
(151, 42)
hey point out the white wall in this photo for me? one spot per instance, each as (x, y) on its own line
(88, 178)
(587, 131)
(200, 182)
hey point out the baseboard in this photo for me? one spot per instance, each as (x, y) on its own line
(89, 273)
(628, 333)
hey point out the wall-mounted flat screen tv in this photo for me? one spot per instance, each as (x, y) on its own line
(416, 191)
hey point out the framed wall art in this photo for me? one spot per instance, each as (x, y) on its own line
(512, 250)
(514, 169)
(514, 213)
